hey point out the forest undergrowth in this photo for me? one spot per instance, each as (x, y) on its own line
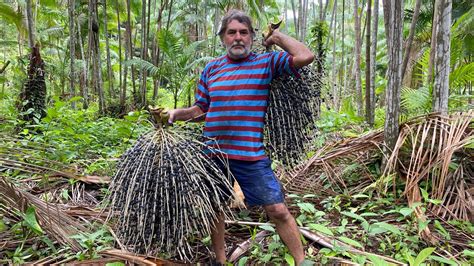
(54, 178)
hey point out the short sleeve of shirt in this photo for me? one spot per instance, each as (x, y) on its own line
(281, 63)
(202, 92)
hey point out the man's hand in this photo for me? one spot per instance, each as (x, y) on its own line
(302, 56)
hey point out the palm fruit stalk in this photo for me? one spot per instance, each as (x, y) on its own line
(293, 108)
(166, 191)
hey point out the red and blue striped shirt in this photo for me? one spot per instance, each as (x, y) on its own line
(235, 95)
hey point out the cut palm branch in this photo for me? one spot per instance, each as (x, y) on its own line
(52, 219)
(167, 191)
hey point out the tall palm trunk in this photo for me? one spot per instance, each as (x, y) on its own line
(94, 52)
(373, 55)
(442, 56)
(357, 51)
(110, 76)
(393, 13)
(409, 41)
(369, 108)
(72, 49)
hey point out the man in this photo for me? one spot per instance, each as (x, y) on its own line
(233, 93)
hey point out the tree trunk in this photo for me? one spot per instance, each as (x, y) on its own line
(72, 49)
(357, 51)
(130, 49)
(442, 56)
(123, 91)
(31, 24)
(373, 56)
(295, 19)
(335, 93)
(409, 42)
(393, 13)
(369, 109)
(434, 31)
(144, 52)
(110, 76)
(83, 76)
(96, 81)
(33, 96)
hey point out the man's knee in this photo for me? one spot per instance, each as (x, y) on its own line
(278, 212)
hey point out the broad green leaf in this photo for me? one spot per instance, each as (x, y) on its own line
(321, 228)
(350, 241)
(289, 259)
(423, 255)
(406, 211)
(376, 261)
(441, 229)
(243, 261)
(355, 216)
(30, 219)
(443, 260)
(389, 227)
(307, 207)
(267, 228)
(3, 227)
(468, 253)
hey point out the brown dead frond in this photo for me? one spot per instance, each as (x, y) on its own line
(433, 149)
(327, 165)
(52, 219)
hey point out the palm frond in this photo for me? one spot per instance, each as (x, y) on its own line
(143, 65)
(416, 101)
(11, 16)
(52, 219)
(461, 76)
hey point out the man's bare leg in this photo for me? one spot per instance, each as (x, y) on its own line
(217, 238)
(287, 229)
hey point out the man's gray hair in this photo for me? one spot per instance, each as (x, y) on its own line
(238, 15)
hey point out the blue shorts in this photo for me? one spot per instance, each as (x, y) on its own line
(257, 181)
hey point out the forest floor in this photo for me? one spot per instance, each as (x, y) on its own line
(349, 211)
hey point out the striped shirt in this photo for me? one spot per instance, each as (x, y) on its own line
(235, 95)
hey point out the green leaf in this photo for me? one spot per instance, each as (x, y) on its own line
(364, 222)
(289, 259)
(468, 253)
(376, 260)
(389, 227)
(307, 207)
(442, 260)
(423, 255)
(267, 228)
(116, 263)
(405, 211)
(30, 219)
(321, 228)
(243, 261)
(350, 242)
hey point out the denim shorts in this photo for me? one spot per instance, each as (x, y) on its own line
(257, 181)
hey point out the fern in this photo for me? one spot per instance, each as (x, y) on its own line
(143, 65)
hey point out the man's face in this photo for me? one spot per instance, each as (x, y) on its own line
(237, 40)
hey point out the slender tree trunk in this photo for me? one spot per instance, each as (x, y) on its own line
(295, 19)
(85, 65)
(393, 13)
(373, 56)
(335, 93)
(31, 25)
(286, 15)
(123, 91)
(130, 48)
(369, 109)
(110, 76)
(409, 41)
(156, 48)
(434, 31)
(72, 49)
(442, 56)
(343, 55)
(144, 43)
(357, 51)
(95, 54)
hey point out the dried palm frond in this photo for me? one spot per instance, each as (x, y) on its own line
(166, 191)
(52, 219)
(433, 149)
